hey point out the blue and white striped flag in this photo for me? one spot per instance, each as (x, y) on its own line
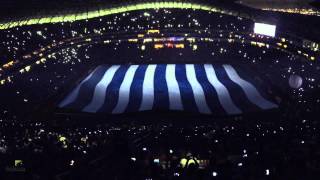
(196, 88)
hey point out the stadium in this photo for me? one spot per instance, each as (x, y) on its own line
(159, 90)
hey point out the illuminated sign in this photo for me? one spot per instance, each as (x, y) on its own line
(153, 31)
(158, 46)
(265, 29)
(169, 45)
(147, 40)
(179, 46)
(132, 40)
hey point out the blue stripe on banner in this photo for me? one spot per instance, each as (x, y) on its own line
(173, 88)
(74, 94)
(248, 74)
(136, 90)
(236, 92)
(124, 91)
(112, 92)
(251, 92)
(210, 93)
(87, 89)
(100, 90)
(187, 96)
(148, 89)
(198, 92)
(161, 92)
(223, 94)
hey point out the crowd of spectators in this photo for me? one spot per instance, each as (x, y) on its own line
(270, 147)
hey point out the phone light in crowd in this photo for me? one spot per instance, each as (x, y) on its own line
(267, 172)
(194, 47)
(265, 29)
(214, 174)
(133, 159)
(71, 162)
(156, 161)
(18, 163)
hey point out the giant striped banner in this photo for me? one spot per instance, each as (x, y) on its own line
(195, 88)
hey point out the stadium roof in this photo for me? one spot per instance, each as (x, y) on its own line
(15, 13)
(109, 10)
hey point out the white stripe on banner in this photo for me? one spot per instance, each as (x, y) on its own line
(251, 92)
(173, 88)
(100, 90)
(124, 91)
(74, 94)
(148, 89)
(198, 92)
(223, 93)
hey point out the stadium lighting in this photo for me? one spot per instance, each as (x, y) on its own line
(265, 29)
